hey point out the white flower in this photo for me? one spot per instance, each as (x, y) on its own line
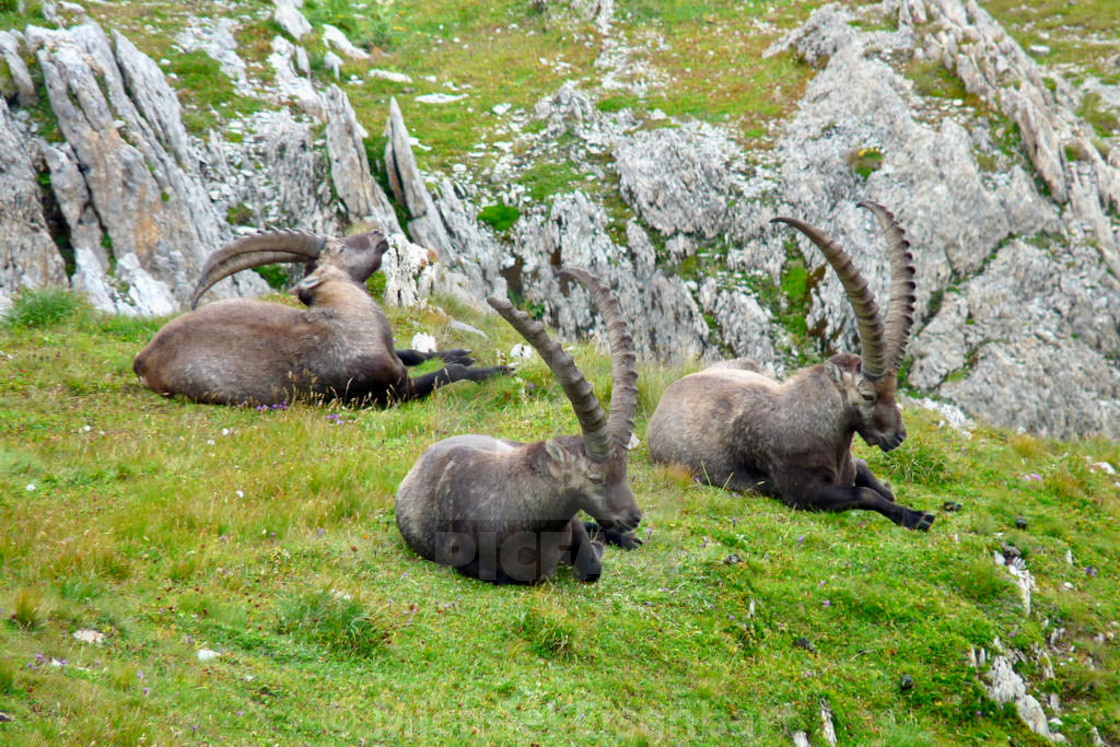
(240, 493)
(205, 654)
(31, 487)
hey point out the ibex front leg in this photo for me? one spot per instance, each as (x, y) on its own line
(837, 498)
(583, 554)
(865, 479)
(410, 357)
(422, 386)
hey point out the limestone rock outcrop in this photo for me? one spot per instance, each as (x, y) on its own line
(135, 202)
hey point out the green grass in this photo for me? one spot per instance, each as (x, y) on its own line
(41, 308)
(1074, 32)
(269, 537)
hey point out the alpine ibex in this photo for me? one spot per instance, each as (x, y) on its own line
(245, 351)
(505, 512)
(735, 427)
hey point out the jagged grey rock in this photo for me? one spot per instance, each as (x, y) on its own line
(72, 196)
(1054, 388)
(279, 169)
(284, 60)
(574, 232)
(1006, 686)
(20, 77)
(991, 65)
(670, 185)
(993, 341)
(130, 182)
(336, 39)
(356, 187)
(122, 122)
(28, 257)
(288, 17)
(401, 264)
(333, 62)
(425, 227)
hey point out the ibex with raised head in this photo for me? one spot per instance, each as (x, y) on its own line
(245, 351)
(504, 511)
(737, 428)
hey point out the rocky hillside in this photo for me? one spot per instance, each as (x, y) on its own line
(651, 142)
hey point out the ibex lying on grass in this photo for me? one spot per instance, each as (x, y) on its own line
(734, 427)
(244, 351)
(504, 511)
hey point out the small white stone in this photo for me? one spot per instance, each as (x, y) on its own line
(439, 98)
(389, 75)
(205, 654)
(423, 342)
(89, 635)
(521, 351)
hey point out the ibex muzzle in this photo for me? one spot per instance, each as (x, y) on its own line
(737, 428)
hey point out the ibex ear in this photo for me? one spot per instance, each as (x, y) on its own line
(556, 451)
(833, 371)
(307, 284)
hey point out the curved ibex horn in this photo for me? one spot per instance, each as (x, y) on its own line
(868, 321)
(900, 310)
(254, 251)
(592, 419)
(624, 372)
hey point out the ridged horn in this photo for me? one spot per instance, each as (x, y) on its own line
(254, 251)
(624, 371)
(900, 310)
(592, 419)
(868, 321)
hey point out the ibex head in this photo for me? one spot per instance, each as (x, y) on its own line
(592, 468)
(867, 382)
(359, 256)
(869, 403)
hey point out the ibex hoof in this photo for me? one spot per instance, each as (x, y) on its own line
(457, 355)
(920, 521)
(589, 578)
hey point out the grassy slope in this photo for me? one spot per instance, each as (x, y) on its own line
(136, 526)
(172, 527)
